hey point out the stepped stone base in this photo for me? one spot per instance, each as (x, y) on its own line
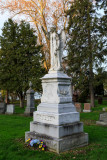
(56, 120)
(63, 144)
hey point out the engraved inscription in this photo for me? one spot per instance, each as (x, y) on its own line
(44, 117)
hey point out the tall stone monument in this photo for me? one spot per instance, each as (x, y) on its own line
(56, 120)
(30, 101)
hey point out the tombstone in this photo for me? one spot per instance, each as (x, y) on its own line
(105, 109)
(10, 108)
(102, 119)
(87, 107)
(2, 107)
(78, 107)
(30, 101)
(56, 120)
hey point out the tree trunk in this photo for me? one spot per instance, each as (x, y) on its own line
(7, 97)
(21, 97)
(92, 94)
(91, 75)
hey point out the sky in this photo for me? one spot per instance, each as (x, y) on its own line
(3, 18)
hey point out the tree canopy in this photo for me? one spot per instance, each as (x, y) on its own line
(20, 58)
(86, 46)
(44, 14)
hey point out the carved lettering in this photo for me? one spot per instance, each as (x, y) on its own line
(44, 117)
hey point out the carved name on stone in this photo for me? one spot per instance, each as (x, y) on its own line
(44, 117)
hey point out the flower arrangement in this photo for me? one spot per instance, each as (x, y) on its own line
(36, 143)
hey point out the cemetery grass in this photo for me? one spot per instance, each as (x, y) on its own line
(13, 147)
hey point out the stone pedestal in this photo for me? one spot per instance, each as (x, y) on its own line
(56, 120)
(30, 102)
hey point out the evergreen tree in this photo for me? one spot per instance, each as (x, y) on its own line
(86, 45)
(20, 59)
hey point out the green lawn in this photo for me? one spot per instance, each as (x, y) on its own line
(12, 146)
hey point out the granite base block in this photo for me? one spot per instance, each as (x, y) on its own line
(56, 131)
(62, 144)
(56, 119)
(56, 108)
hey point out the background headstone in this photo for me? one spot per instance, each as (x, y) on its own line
(102, 119)
(87, 107)
(78, 107)
(10, 109)
(2, 107)
(105, 109)
(30, 101)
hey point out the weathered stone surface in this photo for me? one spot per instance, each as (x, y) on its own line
(56, 131)
(60, 144)
(57, 119)
(87, 107)
(78, 107)
(56, 88)
(103, 117)
(56, 108)
(2, 107)
(10, 109)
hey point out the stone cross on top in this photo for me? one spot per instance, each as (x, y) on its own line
(57, 42)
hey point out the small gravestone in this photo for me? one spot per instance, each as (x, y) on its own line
(10, 109)
(30, 101)
(2, 107)
(87, 107)
(78, 107)
(103, 119)
(105, 109)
